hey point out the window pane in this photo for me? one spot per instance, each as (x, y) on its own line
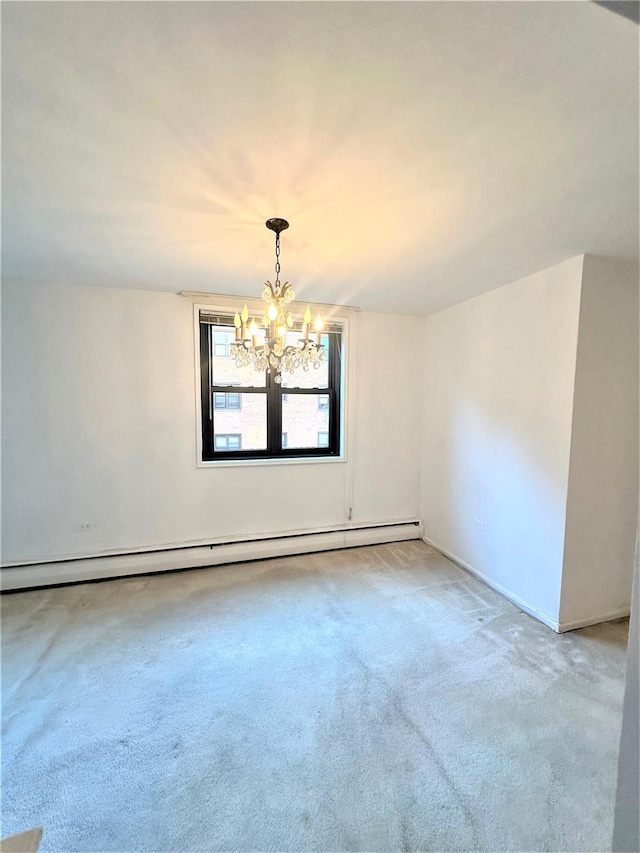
(243, 428)
(223, 366)
(304, 422)
(311, 378)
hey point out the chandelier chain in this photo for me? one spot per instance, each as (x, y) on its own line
(277, 258)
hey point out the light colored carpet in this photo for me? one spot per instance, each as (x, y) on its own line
(372, 699)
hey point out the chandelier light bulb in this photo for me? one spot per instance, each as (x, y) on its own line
(272, 312)
(253, 329)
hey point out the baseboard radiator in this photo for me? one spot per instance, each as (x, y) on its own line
(104, 567)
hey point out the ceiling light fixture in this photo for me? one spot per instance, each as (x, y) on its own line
(276, 349)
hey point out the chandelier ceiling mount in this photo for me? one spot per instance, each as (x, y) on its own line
(276, 224)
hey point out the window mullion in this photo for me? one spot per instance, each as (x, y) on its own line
(274, 415)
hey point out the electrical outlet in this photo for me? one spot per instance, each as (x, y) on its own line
(479, 525)
(83, 526)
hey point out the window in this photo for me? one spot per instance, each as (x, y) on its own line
(228, 441)
(227, 401)
(250, 421)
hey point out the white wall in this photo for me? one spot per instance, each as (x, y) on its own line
(498, 392)
(99, 425)
(626, 830)
(389, 411)
(602, 507)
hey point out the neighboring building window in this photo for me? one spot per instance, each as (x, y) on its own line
(243, 416)
(228, 441)
(221, 342)
(227, 401)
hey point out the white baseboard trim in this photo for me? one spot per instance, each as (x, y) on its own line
(594, 620)
(13, 578)
(519, 603)
(558, 627)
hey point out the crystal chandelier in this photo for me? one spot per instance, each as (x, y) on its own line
(269, 350)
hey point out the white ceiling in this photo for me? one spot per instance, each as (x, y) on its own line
(423, 152)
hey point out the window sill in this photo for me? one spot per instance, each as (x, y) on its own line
(294, 460)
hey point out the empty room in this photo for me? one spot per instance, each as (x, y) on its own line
(320, 446)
